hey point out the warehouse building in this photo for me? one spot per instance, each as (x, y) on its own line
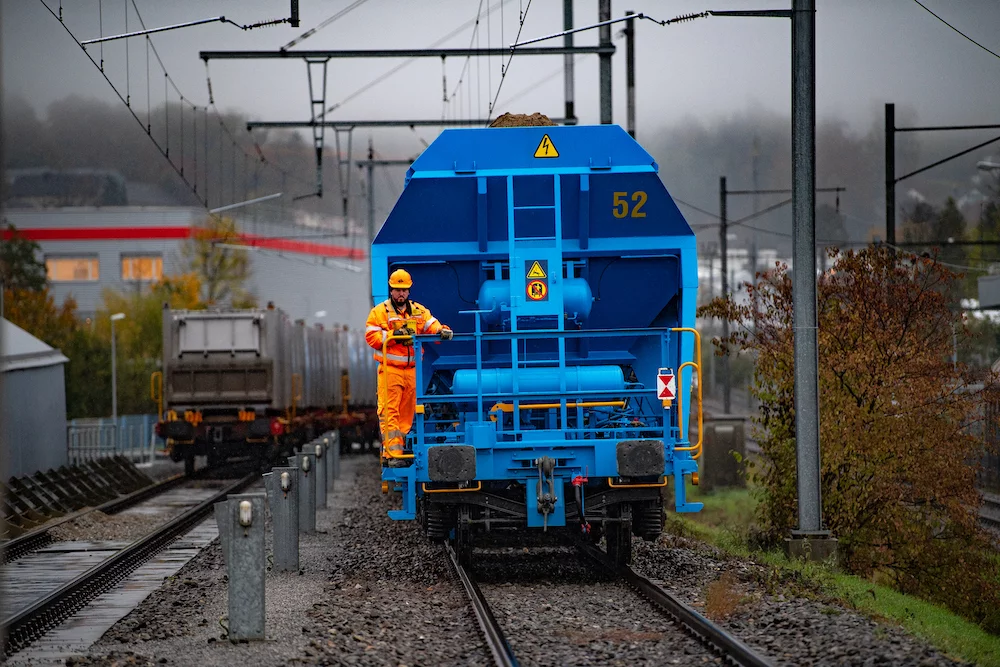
(306, 269)
(32, 403)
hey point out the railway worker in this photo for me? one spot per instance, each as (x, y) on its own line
(397, 374)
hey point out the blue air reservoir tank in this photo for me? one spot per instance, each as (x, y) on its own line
(539, 380)
(578, 299)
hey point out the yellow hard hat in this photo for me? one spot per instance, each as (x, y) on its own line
(400, 279)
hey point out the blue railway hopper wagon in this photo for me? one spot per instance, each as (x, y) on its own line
(570, 279)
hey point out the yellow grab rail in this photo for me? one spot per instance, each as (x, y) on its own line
(296, 395)
(509, 407)
(644, 485)
(156, 392)
(385, 355)
(695, 448)
(477, 487)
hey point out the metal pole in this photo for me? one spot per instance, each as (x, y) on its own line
(568, 59)
(604, 39)
(114, 388)
(890, 174)
(306, 463)
(283, 499)
(371, 213)
(723, 251)
(804, 262)
(630, 73)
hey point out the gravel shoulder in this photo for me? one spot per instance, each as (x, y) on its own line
(369, 592)
(754, 603)
(375, 592)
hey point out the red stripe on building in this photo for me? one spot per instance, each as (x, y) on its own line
(101, 233)
(180, 233)
(304, 247)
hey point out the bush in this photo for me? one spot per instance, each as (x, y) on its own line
(895, 424)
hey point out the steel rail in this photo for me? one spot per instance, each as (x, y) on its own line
(24, 627)
(39, 537)
(500, 649)
(707, 632)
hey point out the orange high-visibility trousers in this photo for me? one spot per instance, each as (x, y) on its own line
(397, 402)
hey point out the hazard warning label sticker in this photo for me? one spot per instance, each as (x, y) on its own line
(537, 269)
(546, 148)
(537, 290)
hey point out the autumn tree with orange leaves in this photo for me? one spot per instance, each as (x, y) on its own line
(897, 424)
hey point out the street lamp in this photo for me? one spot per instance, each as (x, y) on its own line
(114, 377)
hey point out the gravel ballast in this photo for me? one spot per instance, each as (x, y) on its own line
(375, 592)
(790, 630)
(369, 592)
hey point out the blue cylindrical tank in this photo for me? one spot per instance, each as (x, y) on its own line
(578, 299)
(578, 378)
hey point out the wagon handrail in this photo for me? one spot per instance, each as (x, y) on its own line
(156, 392)
(695, 448)
(385, 356)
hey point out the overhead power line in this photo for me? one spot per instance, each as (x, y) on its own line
(992, 53)
(189, 160)
(312, 31)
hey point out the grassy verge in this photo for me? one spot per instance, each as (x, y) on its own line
(723, 523)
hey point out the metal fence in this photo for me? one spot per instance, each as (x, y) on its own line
(133, 437)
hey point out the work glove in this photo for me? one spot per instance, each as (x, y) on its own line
(446, 334)
(403, 331)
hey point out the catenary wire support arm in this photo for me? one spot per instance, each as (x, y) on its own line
(403, 53)
(757, 13)
(317, 102)
(890, 161)
(427, 122)
(248, 202)
(176, 26)
(949, 158)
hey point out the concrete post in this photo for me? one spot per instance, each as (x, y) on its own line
(306, 463)
(283, 498)
(331, 470)
(335, 444)
(320, 475)
(241, 529)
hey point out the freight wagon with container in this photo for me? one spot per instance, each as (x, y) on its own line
(238, 383)
(563, 402)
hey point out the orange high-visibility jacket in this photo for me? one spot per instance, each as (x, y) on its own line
(384, 319)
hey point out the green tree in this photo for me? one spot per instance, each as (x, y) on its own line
(139, 337)
(222, 270)
(20, 268)
(88, 373)
(897, 487)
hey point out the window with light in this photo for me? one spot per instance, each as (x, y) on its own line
(72, 269)
(146, 268)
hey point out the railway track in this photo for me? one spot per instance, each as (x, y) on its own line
(32, 621)
(40, 537)
(709, 635)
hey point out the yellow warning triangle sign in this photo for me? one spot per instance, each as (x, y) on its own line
(536, 271)
(546, 148)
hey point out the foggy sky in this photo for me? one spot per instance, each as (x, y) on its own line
(868, 52)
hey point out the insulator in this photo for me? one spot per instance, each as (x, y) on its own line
(286, 482)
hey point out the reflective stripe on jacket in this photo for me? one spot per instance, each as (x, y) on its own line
(383, 319)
